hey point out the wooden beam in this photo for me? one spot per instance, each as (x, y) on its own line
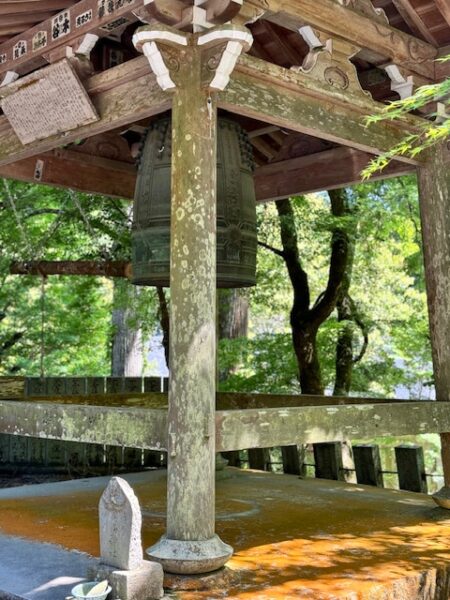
(331, 169)
(301, 103)
(111, 268)
(122, 95)
(237, 430)
(74, 170)
(133, 427)
(331, 17)
(296, 101)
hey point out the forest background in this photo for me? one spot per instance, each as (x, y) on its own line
(342, 271)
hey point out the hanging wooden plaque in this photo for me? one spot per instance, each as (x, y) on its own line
(50, 101)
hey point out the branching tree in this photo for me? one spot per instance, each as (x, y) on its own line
(307, 317)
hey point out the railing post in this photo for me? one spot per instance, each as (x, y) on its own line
(411, 468)
(368, 464)
(328, 461)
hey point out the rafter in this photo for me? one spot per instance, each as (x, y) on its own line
(444, 9)
(413, 20)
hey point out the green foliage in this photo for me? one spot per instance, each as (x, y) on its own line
(387, 287)
(69, 327)
(436, 129)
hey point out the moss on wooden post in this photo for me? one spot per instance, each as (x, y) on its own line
(434, 192)
(183, 65)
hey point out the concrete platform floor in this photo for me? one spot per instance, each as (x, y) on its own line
(304, 539)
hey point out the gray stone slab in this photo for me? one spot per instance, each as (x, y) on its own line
(39, 571)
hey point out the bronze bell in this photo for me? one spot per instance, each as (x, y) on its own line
(236, 208)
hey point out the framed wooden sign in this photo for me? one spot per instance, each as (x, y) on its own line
(48, 102)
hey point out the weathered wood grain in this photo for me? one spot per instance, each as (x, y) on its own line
(135, 427)
(237, 430)
(12, 387)
(330, 16)
(297, 101)
(434, 195)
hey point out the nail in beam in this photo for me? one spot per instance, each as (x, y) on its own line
(190, 544)
(434, 194)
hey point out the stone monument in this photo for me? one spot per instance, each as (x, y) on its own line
(122, 563)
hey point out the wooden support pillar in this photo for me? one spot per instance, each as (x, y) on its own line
(182, 63)
(434, 195)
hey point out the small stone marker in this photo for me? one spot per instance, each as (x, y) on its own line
(122, 564)
(120, 526)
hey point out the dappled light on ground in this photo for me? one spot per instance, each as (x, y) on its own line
(293, 538)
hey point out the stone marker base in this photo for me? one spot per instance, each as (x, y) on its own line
(145, 583)
(190, 557)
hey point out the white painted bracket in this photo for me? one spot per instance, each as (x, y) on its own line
(146, 41)
(316, 46)
(87, 45)
(404, 86)
(9, 77)
(442, 113)
(238, 40)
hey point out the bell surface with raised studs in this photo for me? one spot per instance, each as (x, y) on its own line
(236, 208)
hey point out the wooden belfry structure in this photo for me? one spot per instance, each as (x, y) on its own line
(79, 84)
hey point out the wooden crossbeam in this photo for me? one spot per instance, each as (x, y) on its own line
(122, 95)
(111, 268)
(129, 93)
(75, 170)
(235, 429)
(330, 169)
(265, 428)
(298, 102)
(132, 427)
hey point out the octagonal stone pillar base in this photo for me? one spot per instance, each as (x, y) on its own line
(190, 557)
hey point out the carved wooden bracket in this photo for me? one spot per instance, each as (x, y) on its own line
(366, 8)
(167, 50)
(328, 61)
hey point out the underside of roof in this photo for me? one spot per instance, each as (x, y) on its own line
(426, 19)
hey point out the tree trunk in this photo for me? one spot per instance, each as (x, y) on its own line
(232, 306)
(233, 314)
(127, 352)
(306, 320)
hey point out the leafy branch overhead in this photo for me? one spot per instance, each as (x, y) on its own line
(436, 98)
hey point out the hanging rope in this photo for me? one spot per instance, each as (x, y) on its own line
(42, 349)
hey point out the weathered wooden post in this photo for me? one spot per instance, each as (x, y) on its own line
(193, 67)
(434, 195)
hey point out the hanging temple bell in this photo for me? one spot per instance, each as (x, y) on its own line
(236, 208)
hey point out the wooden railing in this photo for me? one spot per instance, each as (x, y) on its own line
(107, 423)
